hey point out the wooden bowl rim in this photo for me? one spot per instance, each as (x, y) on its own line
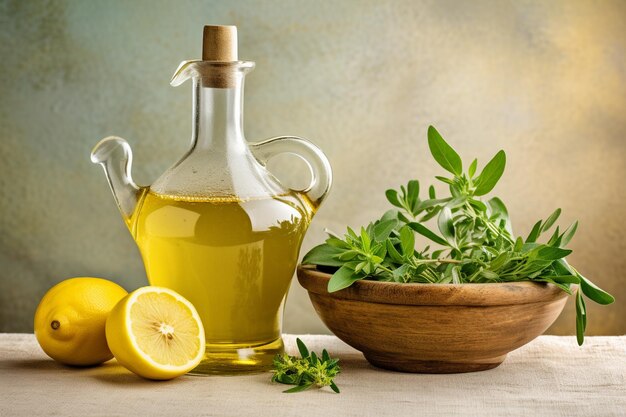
(488, 294)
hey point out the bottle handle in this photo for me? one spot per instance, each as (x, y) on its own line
(321, 172)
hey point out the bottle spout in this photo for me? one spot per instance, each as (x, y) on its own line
(115, 156)
(220, 64)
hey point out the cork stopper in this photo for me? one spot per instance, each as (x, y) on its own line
(219, 43)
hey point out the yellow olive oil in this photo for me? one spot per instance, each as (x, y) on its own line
(233, 260)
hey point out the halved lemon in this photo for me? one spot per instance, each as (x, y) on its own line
(156, 333)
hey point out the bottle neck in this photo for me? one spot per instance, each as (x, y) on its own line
(218, 115)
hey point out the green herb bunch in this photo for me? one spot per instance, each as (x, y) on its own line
(475, 242)
(306, 371)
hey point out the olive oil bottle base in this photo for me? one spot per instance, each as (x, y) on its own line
(231, 359)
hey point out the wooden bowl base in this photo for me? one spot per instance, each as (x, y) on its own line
(432, 367)
(434, 328)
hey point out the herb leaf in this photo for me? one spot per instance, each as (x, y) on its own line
(299, 388)
(323, 254)
(424, 231)
(491, 174)
(443, 153)
(551, 220)
(446, 225)
(594, 292)
(581, 318)
(569, 233)
(472, 168)
(549, 253)
(343, 278)
(535, 232)
(304, 352)
(383, 229)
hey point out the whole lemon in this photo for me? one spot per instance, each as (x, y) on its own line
(70, 320)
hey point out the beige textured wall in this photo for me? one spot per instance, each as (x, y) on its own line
(546, 81)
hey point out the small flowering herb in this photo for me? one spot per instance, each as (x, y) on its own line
(306, 371)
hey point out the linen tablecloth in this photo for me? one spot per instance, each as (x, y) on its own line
(551, 376)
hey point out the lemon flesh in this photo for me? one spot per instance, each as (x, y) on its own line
(156, 333)
(70, 320)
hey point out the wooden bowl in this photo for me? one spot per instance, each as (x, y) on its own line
(434, 328)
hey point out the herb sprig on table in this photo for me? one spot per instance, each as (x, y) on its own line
(475, 242)
(306, 371)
